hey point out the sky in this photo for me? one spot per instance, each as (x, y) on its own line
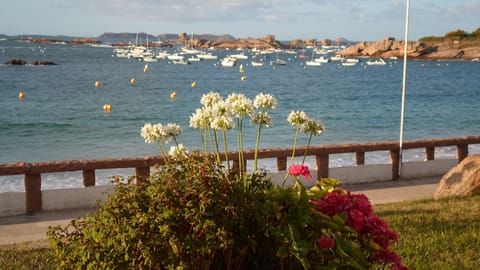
(359, 20)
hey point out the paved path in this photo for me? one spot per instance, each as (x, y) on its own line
(18, 229)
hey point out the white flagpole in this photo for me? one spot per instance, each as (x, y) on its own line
(404, 79)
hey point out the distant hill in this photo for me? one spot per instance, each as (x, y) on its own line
(36, 36)
(113, 38)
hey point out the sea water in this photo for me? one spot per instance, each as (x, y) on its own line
(61, 116)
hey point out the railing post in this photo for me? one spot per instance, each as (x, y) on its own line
(395, 160)
(462, 152)
(360, 158)
(321, 161)
(88, 178)
(281, 164)
(33, 193)
(430, 153)
(141, 174)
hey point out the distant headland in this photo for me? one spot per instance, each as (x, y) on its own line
(457, 44)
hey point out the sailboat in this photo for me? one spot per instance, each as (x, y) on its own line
(278, 61)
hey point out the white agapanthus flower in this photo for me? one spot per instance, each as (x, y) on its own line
(178, 151)
(262, 118)
(224, 122)
(297, 118)
(172, 130)
(239, 104)
(152, 133)
(265, 101)
(200, 119)
(210, 99)
(221, 118)
(314, 127)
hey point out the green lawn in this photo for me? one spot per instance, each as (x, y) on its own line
(441, 234)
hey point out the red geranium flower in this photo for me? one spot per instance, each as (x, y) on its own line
(298, 169)
(326, 242)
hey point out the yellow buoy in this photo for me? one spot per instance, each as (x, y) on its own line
(98, 84)
(243, 78)
(194, 84)
(241, 69)
(21, 95)
(173, 95)
(107, 107)
(132, 81)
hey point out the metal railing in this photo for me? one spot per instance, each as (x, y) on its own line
(33, 171)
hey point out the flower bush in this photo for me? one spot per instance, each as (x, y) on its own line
(195, 212)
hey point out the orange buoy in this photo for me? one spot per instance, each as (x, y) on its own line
(107, 107)
(173, 95)
(21, 95)
(98, 84)
(132, 81)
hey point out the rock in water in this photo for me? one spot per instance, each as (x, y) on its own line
(16, 62)
(463, 179)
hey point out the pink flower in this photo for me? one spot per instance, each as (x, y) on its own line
(326, 242)
(298, 169)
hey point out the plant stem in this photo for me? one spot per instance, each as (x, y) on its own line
(240, 147)
(257, 143)
(217, 150)
(306, 149)
(293, 153)
(226, 149)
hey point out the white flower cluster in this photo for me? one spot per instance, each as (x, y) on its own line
(262, 118)
(178, 151)
(156, 132)
(265, 101)
(218, 114)
(305, 123)
(239, 104)
(297, 118)
(314, 127)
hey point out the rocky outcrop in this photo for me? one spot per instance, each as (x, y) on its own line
(268, 41)
(16, 62)
(389, 47)
(43, 63)
(463, 179)
(20, 62)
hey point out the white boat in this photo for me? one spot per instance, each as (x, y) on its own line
(349, 64)
(186, 50)
(194, 59)
(162, 55)
(207, 56)
(180, 62)
(279, 62)
(313, 63)
(352, 60)
(257, 64)
(175, 56)
(378, 62)
(150, 59)
(336, 58)
(240, 56)
(228, 62)
(322, 59)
